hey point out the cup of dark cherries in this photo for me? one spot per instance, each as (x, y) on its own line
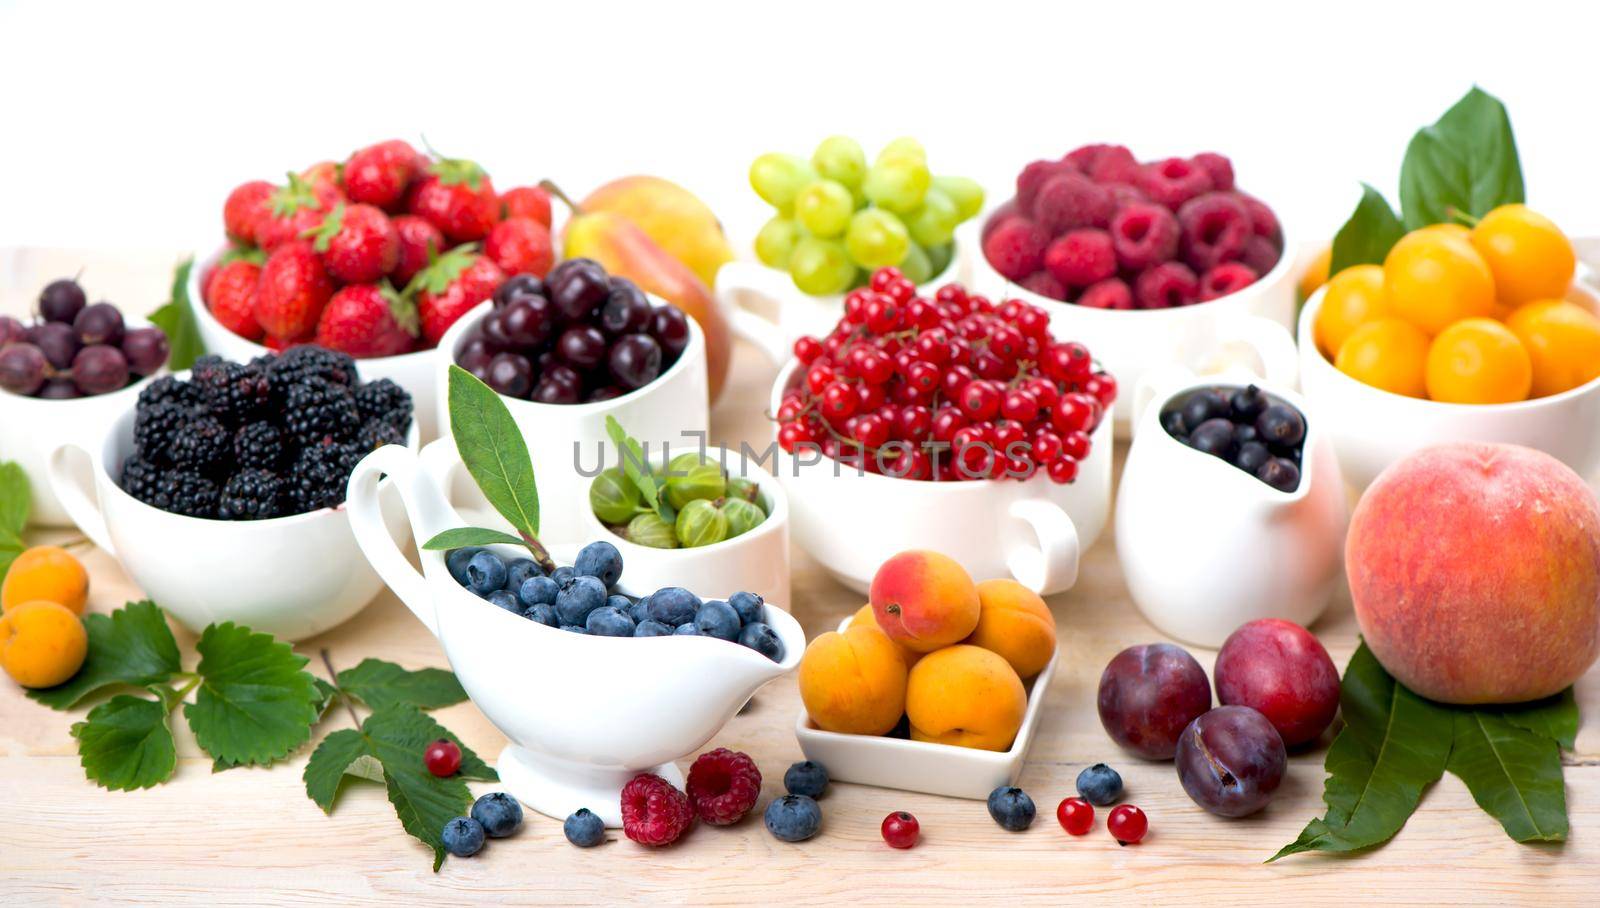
(76, 348)
(1257, 432)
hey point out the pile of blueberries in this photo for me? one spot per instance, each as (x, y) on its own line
(1252, 430)
(583, 599)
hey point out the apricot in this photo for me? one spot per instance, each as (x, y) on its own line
(854, 681)
(42, 643)
(1014, 623)
(864, 616)
(924, 600)
(46, 572)
(966, 696)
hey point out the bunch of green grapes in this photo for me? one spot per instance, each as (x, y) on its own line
(838, 219)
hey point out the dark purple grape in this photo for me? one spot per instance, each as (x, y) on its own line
(99, 369)
(1148, 695)
(520, 286)
(475, 354)
(146, 350)
(553, 390)
(1281, 426)
(670, 327)
(635, 361)
(1214, 437)
(608, 392)
(61, 301)
(59, 389)
(528, 322)
(1280, 473)
(582, 346)
(11, 330)
(56, 341)
(1251, 455)
(100, 323)
(578, 289)
(1231, 760)
(510, 374)
(626, 310)
(22, 368)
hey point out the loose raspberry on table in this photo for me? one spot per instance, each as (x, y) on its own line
(1082, 257)
(1111, 293)
(653, 812)
(1215, 228)
(1165, 285)
(1225, 279)
(1144, 234)
(1015, 248)
(723, 786)
(1172, 181)
(1069, 201)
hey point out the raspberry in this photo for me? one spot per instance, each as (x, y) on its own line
(1111, 293)
(1015, 248)
(1032, 179)
(1172, 181)
(1261, 254)
(1262, 221)
(1081, 257)
(1045, 284)
(1125, 194)
(653, 812)
(1144, 234)
(1007, 211)
(1215, 227)
(1105, 163)
(1069, 201)
(1164, 286)
(723, 786)
(1225, 279)
(1216, 166)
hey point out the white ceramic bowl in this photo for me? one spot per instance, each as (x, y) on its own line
(292, 577)
(672, 410)
(1372, 428)
(1248, 327)
(941, 769)
(1206, 547)
(1033, 530)
(584, 714)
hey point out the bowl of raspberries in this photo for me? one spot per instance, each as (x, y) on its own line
(375, 256)
(1150, 263)
(222, 490)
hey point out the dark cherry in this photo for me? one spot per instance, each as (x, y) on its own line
(554, 391)
(670, 327)
(608, 392)
(582, 346)
(475, 354)
(626, 310)
(635, 361)
(517, 287)
(578, 289)
(510, 374)
(494, 331)
(528, 322)
(61, 301)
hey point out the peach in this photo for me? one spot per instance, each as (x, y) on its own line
(966, 696)
(42, 643)
(924, 600)
(1016, 624)
(865, 616)
(1475, 573)
(854, 681)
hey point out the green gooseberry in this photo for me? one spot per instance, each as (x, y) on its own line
(700, 523)
(739, 487)
(743, 516)
(613, 498)
(699, 482)
(648, 529)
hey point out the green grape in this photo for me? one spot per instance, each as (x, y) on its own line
(876, 239)
(778, 178)
(700, 523)
(935, 222)
(823, 208)
(897, 183)
(939, 257)
(821, 267)
(840, 158)
(916, 266)
(648, 529)
(966, 193)
(613, 497)
(742, 516)
(905, 145)
(775, 241)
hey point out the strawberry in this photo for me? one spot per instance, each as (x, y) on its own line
(357, 243)
(453, 284)
(520, 245)
(368, 320)
(294, 287)
(325, 180)
(420, 241)
(247, 204)
(295, 209)
(380, 174)
(527, 202)
(231, 297)
(458, 198)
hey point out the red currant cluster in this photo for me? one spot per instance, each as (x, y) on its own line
(948, 389)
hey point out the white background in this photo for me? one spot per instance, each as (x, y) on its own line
(125, 124)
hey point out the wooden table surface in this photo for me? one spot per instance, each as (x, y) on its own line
(251, 836)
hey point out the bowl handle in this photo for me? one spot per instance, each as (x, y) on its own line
(426, 508)
(81, 503)
(735, 281)
(1280, 360)
(1048, 563)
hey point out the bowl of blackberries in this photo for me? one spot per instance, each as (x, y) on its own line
(242, 468)
(73, 365)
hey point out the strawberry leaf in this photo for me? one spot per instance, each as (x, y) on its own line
(131, 646)
(443, 271)
(379, 684)
(126, 742)
(255, 703)
(287, 200)
(251, 254)
(322, 235)
(325, 771)
(456, 171)
(176, 319)
(402, 309)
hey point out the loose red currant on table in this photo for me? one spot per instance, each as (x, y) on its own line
(900, 829)
(1127, 824)
(442, 758)
(1075, 815)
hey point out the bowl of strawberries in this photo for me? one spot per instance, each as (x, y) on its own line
(375, 257)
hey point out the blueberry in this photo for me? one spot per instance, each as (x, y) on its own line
(584, 829)
(579, 597)
(638, 610)
(537, 591)
(751, 607)
(793, 818)
(544, 613)
(456, 562)
(763, 640)
(1214, 437)
(687, 629)
(806, 778)
(1172, 421)
(518, 570)
(486, 573)
(1100, 785)
(622, 604)
(1011, 808)
(1281, 426)
(498, 813)
(1202, 405)
(606, 621)
(1251, 455)
(463, 837)
(562, 574)
(505, 600)
(1280, 473)
(600, 559)
(673, 605)
(574, 628)
(650, 627)
(717, 619)
(1247, 404)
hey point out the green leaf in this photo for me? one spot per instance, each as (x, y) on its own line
(494, 451)
(255, 702)
(1369, 234)
(325, 771)
(461, 537)
(1514, 774)
(1554, 717)
(327, 696)
(131, 646)
(1465, 162)
(443, 270)
(176, 318)
(636, 467)
(321, 236)
(16, 499)
(297, 194)
(11, 545)
(1393, 746)
(126, 743)
(379, 684)
(249, 254)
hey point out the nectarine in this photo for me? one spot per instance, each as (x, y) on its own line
(924, 600)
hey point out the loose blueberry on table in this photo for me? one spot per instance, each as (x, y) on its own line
(584, 828)
(1253, 430)
(793, 818)
(1011, 808)
(75, 349)
(1100, 785)
(498, 813)
(806, 778)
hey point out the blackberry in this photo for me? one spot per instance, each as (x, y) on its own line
(155, 427)
(297, 364)
(185, 492)
(139, 478)
(319, 476)
(235, 394)
(385, 400)
(251, 494)
(317, 409)
(375, 434)
(168, 389)
(203, 445)
(258, 444)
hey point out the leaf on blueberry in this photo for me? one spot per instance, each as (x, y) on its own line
(126, 743)
(131, 646)
(255, 702)
(379, 684)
